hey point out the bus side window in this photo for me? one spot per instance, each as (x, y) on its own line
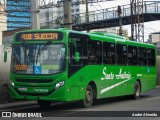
(135, 56)
(72, 50)
(94, 52)
(121, 57)
(132, 55)
(151, 57)
(108, 53)
(142, 56)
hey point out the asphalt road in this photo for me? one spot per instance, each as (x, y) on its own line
(112, 108)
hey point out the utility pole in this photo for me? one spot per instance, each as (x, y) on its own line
(67, 14)
(119, 11)
(35, 14)
(87, 15)
(137, 20)
(132, 18)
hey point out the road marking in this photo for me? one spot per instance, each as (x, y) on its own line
(153, 98)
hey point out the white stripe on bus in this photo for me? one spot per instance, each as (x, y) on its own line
(113, 86)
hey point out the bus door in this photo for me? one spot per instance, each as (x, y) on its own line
(77, 61)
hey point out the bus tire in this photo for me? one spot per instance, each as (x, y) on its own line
(137, 90)
(44, 103)
(87, 102)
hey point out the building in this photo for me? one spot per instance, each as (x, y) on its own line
(3, 22)
(48, 16)
(8, 35)
(18, 14)
(154, 37)
(53, 17)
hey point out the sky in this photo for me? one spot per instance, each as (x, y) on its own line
(149, 27)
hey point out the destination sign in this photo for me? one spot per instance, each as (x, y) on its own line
(40, 36)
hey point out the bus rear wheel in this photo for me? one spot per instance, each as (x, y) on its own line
(44, 103)
(87, 102)
(137, 90)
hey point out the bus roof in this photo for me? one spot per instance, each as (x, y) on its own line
(117, 39)
(99, 36)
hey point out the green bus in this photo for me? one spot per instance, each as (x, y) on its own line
(65, 65)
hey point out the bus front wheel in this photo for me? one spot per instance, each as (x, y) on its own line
(44, 103)
(137, 90)
(87, 102)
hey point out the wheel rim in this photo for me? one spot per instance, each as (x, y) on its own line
(137, 90)
(88, 96)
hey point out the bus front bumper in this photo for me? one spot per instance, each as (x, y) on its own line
(58, 95)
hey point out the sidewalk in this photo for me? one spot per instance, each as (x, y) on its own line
(17, 104)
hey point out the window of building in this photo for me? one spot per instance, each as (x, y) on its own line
(108, 53)
(121, 54)
(94, 52)
(77, 10)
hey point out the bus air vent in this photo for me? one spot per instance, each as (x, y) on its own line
(35, 80)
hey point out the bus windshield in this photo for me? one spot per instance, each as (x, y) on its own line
(38, 58)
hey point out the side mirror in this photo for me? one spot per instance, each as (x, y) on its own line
(5, 56)
(77, 57)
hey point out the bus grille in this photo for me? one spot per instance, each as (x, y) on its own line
(34, 94)
(35, 80)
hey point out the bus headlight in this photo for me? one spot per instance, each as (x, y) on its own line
(60, 84)
(12, 83)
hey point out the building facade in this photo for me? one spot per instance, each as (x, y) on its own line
(53, 17)
(154, 37)
(3, 22)
(18, 14)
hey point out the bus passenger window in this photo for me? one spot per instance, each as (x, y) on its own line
(94, 52)
(121, 54)
(151, 57)
(73, 49)
(108, 53)
(142, 56)
(132, 55)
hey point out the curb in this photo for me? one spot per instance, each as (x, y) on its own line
(17, 104)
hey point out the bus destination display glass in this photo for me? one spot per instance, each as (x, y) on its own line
(39, 36)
